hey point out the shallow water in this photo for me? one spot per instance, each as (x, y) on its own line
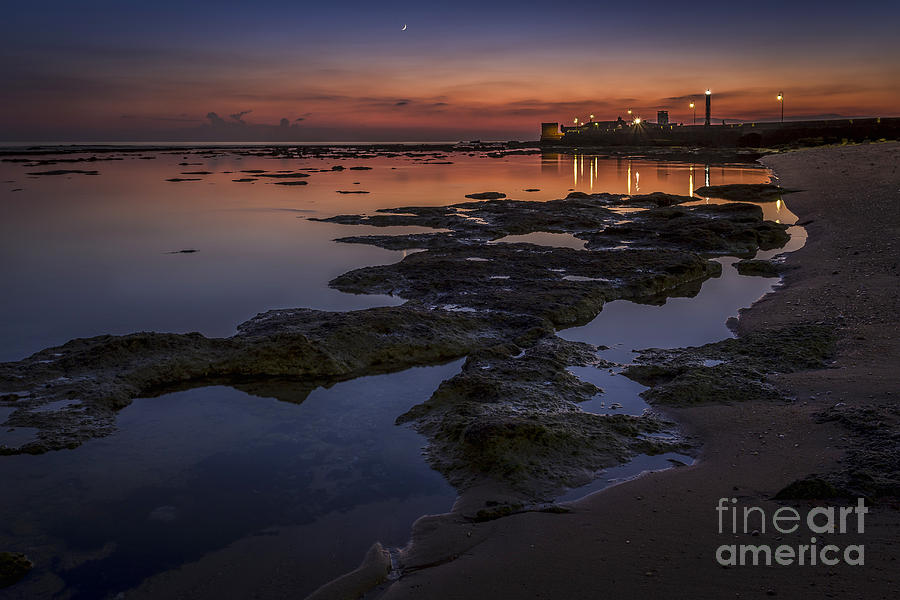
(191, 472)
(625, 327)
(205, 474)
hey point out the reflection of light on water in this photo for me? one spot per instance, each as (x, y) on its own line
(637, 181)
(706, 174)
(629, 177)
(575, 171)
(778, 205)
(691, 181)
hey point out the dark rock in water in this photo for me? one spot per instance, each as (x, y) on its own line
(715, 229)
(13, 567)
(178, 179)
(532, 189)
(732, 370)
(196, 173)
(64, 172)
(735, 229)
(244, 180)
(303, 345)
(486, 196)
(253, 171)
(360, 168)
(529, 279)
(291, 182)
(187, 251)
(284, 175)
(16, 190)
(810, 488)
(744, 192)
(511, 417)
(656, 199)
(352, 192)
(337, 168)
(660, 199)
(758, 268)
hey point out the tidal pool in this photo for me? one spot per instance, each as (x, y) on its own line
(189, 474)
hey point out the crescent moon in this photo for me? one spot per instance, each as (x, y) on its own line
(403, 28)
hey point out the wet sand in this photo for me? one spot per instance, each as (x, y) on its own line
(656, 536)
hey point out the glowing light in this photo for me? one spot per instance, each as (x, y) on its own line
(637, 121)
(592, 117)
(708, 92)
(779, 97)
(629, 111)
(692, 105)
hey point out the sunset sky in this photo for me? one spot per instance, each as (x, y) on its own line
(344, 70)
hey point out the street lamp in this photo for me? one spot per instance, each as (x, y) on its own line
(708, 112)
(695, 112)
(592, 117)
(780, 98)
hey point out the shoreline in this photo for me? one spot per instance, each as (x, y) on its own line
(656, 534)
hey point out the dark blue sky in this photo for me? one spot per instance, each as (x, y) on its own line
(116, 70)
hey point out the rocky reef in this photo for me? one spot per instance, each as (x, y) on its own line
(511, 416)
(732, 370)
(87, 380)
(744, 192)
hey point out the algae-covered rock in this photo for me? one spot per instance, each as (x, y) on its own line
(708, 229)
(512, 418)
(103, 374)
(13, 567)
(744, 192)
(562, 285)
(716, 229)
(732, 370)
(758, 268)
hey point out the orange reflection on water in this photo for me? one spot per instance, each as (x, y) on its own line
(106, 239)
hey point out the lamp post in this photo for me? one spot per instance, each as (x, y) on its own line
(780, 98)
(708, 95)
(695, 112)
(592, 118)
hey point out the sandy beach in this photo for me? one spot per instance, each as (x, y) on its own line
(657, 536)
